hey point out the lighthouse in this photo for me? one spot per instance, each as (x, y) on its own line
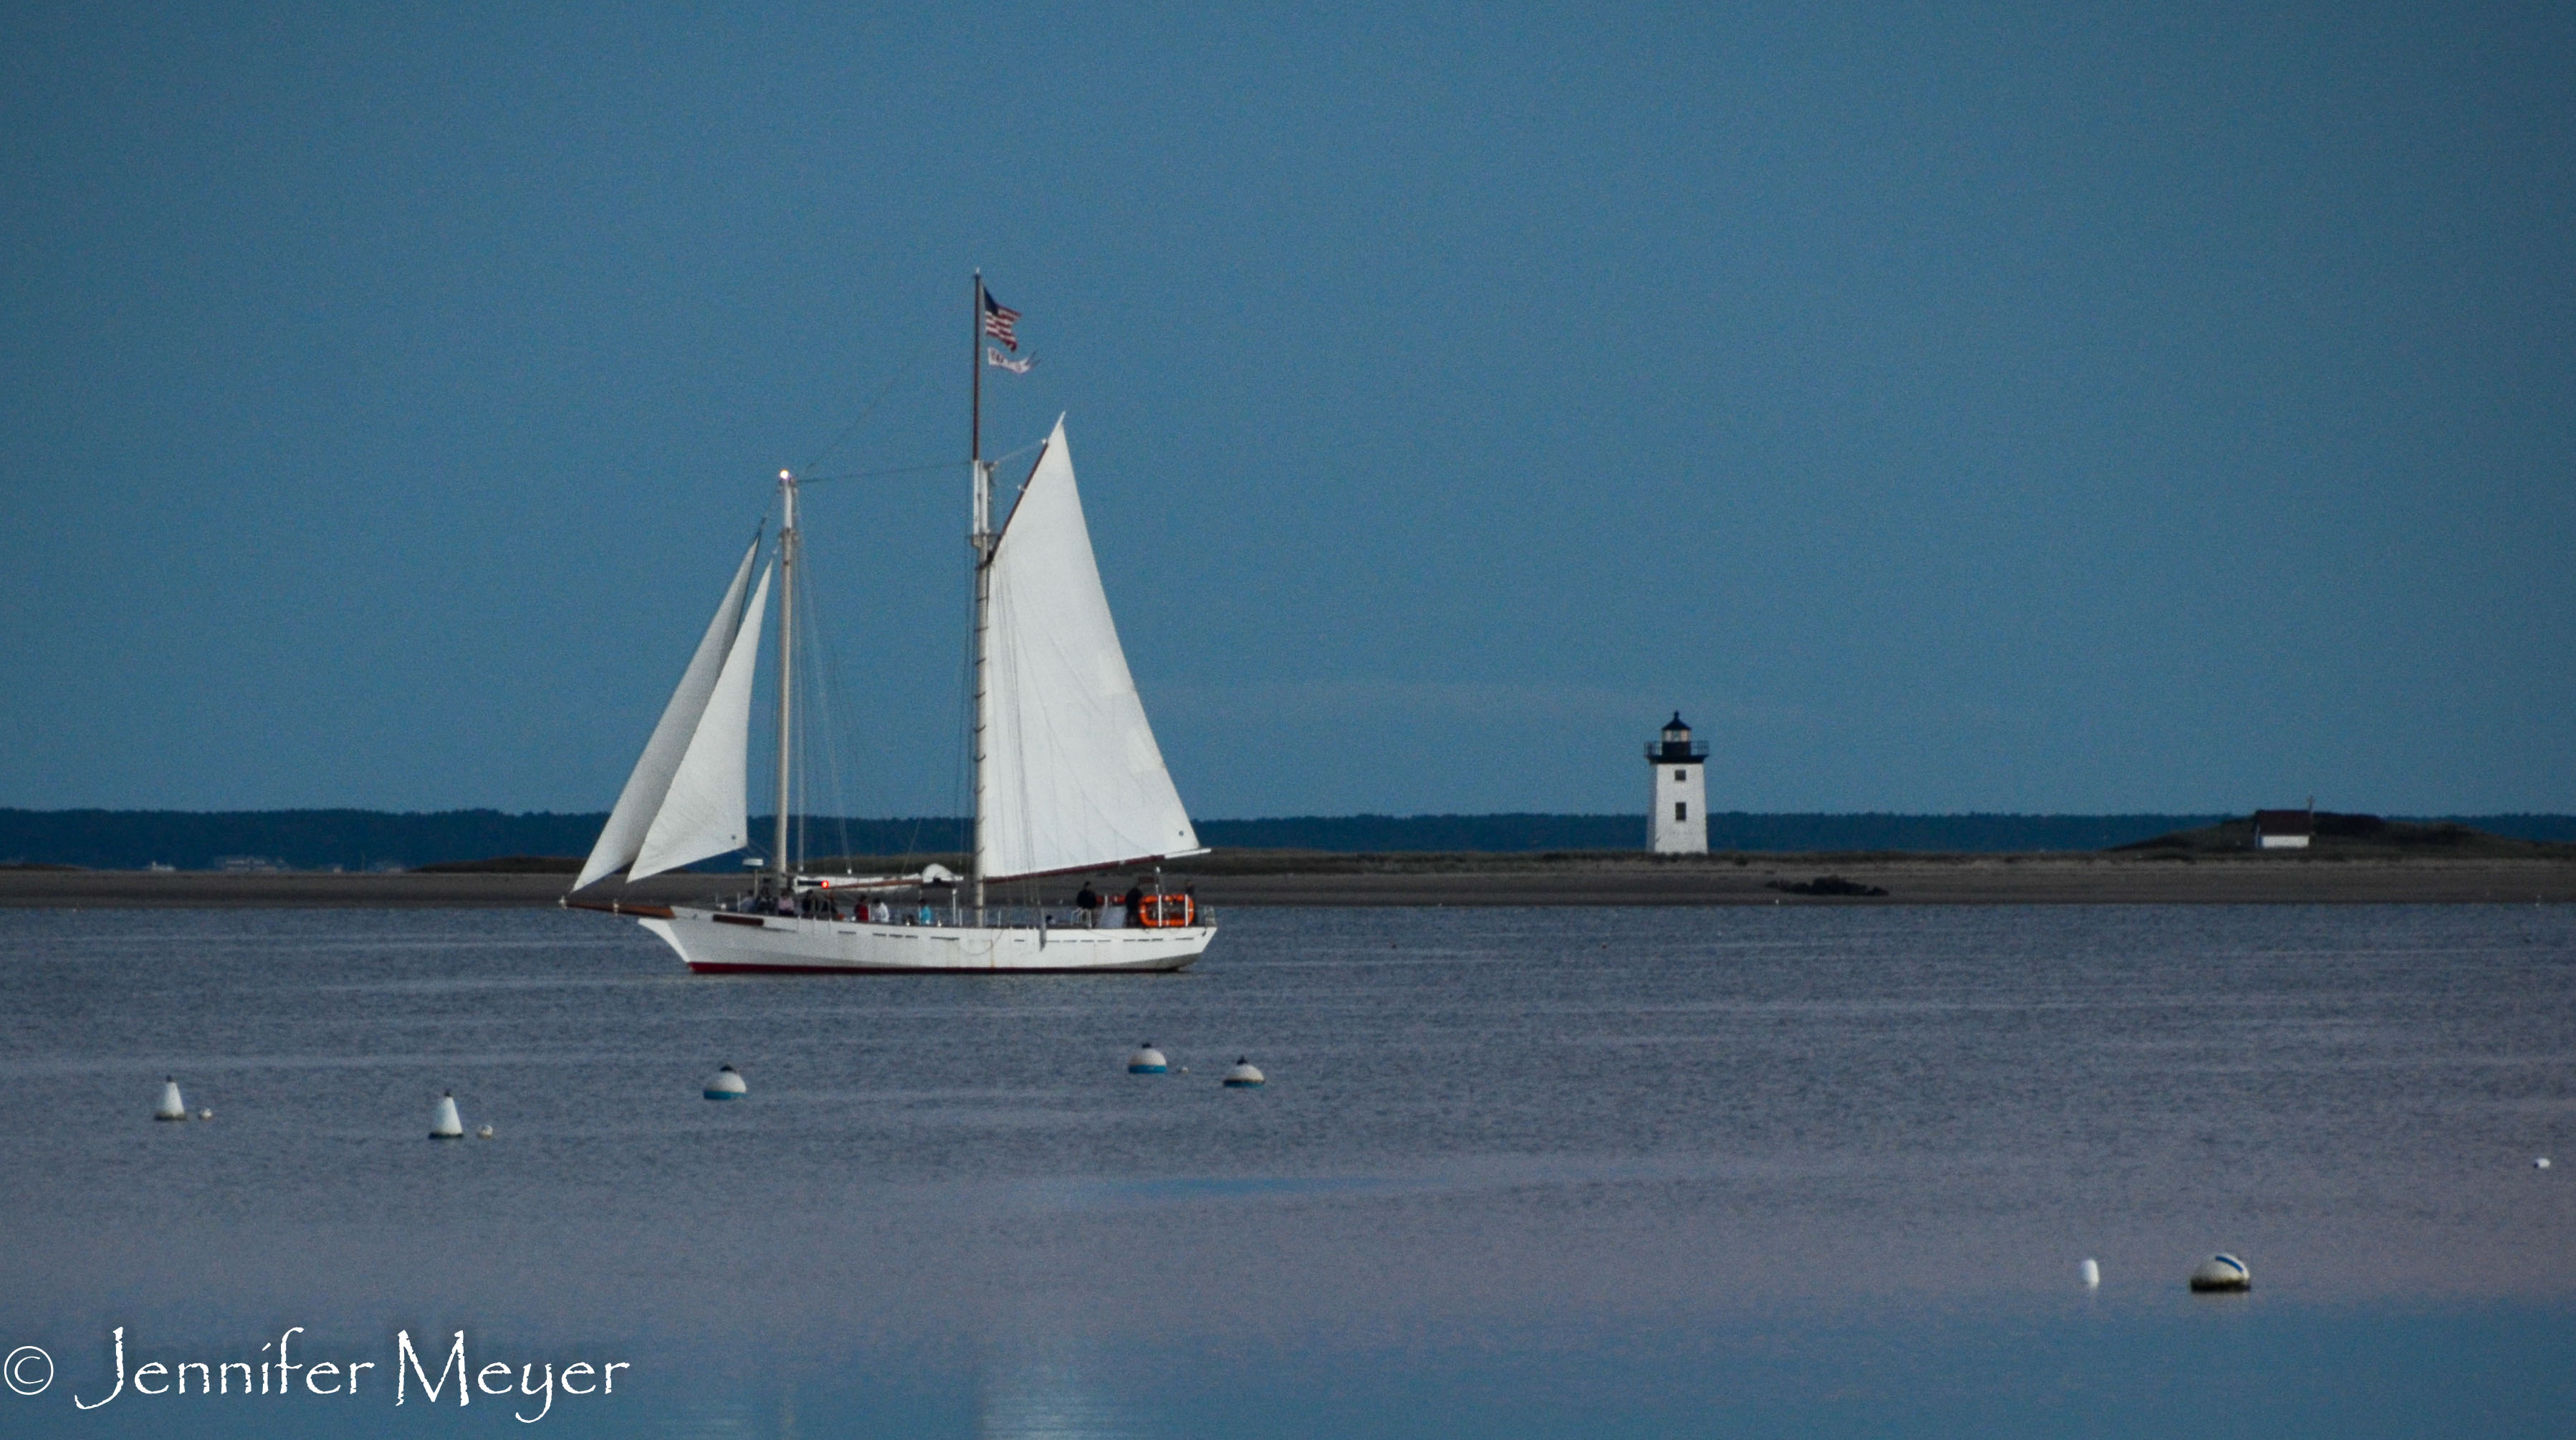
(1678, 823)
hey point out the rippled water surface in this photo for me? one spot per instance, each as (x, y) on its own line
(1610, 1172)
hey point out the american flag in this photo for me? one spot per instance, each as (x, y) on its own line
(999, 320)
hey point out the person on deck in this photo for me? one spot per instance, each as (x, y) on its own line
(1135, 903)
(1088, 902)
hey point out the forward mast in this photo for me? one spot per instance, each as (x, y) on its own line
(787, 547)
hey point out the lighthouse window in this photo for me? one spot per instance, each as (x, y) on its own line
(1679, 775)
(1681, 810)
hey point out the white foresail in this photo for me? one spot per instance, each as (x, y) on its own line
(702, 814)
(1072, 776)
(622, 838)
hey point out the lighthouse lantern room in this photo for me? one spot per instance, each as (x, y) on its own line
(1678, 825)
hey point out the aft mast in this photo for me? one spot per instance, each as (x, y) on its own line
(981, 538)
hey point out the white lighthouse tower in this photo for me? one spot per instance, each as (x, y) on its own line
(1678, 825)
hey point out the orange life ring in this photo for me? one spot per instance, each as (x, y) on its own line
(1160, 912)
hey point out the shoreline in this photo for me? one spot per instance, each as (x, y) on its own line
(1435, 880)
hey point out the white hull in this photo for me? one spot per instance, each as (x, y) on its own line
(712, 941)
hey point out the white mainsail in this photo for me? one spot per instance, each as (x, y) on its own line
(702, 814)
(622, 838)
(1072, 777)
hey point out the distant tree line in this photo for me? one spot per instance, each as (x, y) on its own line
(364, 839)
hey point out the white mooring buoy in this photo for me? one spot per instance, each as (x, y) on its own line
(1148, 1061)
(2542, 1163)
(2091, 1273)
(726, 1084)
(483, 1134)
(171, 1107)
(2222, 1272)
(1244, 1076)
(206, 1114)
(447, 1126)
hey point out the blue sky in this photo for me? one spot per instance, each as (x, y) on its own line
(1946, 407)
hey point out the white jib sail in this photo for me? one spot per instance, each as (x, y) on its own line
(702, 814)
(622, 838)
(1072, 776)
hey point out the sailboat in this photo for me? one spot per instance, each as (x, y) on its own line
(1067, 777)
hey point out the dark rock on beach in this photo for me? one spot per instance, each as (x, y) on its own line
(1827, 885)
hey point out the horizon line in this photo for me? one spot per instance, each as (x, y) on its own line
(1318, 815)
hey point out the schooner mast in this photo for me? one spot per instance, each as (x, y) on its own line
(787, 548)
(980, 538)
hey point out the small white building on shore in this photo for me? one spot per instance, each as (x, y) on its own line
(2285, 829)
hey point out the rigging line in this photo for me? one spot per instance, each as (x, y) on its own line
(911, 366)
(873, 474)
(805, 741)
(960, 801)
(832, 731)
(833, 738)
(803, 807)
(824, 773)
(1014, 454)
(922, 469)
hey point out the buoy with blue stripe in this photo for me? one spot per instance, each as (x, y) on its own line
(2222, 1272)
(171, 1107)
(448, 1126)
(726, 1084)
(2090, 1272)
(1244, 1076)
(1148, 1061)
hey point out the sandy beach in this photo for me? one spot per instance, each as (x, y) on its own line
(1251, 878)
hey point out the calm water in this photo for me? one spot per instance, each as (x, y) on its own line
(1618, 1172)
